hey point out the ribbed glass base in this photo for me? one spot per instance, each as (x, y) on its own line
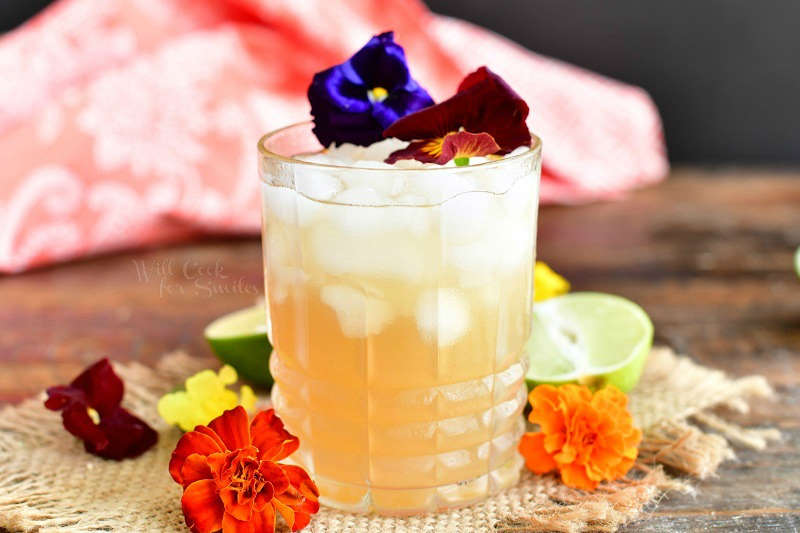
(409, 501)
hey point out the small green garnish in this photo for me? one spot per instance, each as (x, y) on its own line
(461, 161)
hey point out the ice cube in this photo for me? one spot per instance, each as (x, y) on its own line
(465, 217)
(380, 150)
(276, 292)
(411, 199)
(411, 163)
(366, 163)
(355, 211)
(515, 242)
(279, 203)
(476, 262)
(361, 196)
(520, 197)
(318, 185)
(369, 212)
(359, 315)
(278, 250)
(389, 183)
(507, 244)
(442, 316)
(345, 253)
(346, 152)
(318, 157)
(518, 150)
(439, 186)
(309, 211)
(281, 269)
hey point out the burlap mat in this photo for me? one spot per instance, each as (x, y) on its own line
(48, 483)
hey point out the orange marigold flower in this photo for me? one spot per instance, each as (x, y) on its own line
(587, 437)
(231, 478)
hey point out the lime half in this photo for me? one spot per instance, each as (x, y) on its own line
(240, 340)
(590, 338)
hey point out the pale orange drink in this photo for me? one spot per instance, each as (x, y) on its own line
(400, 299)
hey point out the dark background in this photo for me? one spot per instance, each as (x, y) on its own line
(724, 73)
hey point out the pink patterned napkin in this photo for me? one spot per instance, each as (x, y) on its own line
(134, 122)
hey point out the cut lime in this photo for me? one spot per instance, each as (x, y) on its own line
(590, 338)
(240, 340)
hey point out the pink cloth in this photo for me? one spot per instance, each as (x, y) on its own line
(132, 122)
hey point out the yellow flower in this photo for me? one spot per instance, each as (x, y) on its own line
(547, 283)
(205, 398)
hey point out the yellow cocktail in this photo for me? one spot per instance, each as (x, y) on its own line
(399, 301)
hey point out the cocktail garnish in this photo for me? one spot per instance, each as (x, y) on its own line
(484, 105)
(90, 410)
(205, 397)
(355, 101)
(231, 477)
(588, 437)
(547, 282)
(458, 146)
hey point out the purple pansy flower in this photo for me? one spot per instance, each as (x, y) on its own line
(355, 101)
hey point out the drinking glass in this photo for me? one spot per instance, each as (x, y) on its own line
(399, 301)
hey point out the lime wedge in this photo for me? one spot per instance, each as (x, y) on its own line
(590, 338)
(240, 340)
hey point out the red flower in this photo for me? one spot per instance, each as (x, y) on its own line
(231, 479)
(484, 104)
(90, 410)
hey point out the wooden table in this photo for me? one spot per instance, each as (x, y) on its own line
(708, 254)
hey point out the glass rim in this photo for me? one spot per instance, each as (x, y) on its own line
(264, 152)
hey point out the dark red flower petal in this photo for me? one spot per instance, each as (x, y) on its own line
(118, 433)
(431, 122)
(128, 436)
(464, 144)
(102, 386)
(60, 396)
(202, 509)
(500, 111)
(233, 427)
(458, 145)
(419, 150)
(485, 103)
(77, 421)
(269, 436)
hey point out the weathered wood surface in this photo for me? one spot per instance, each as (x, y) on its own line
(708, 254)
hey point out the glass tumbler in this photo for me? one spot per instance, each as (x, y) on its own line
(399, 301)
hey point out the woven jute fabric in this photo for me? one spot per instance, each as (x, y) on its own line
(48, 483)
